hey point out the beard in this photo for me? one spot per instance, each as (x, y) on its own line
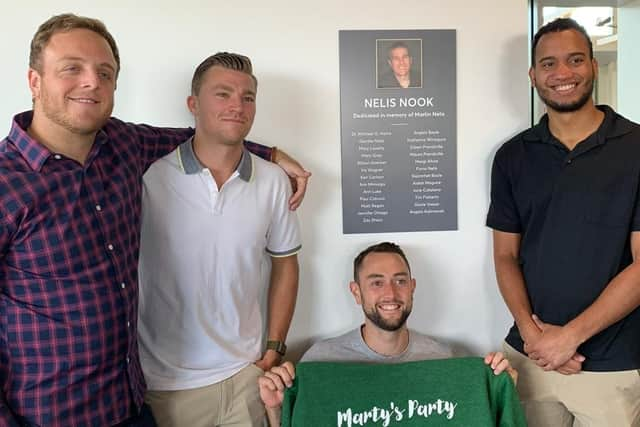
(67, 123)
(569, 107)
(55, 111)
(387, 325)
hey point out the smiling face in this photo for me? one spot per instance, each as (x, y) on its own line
(400, 61)
(384, 290)
(225, 105)
(563, 72)
(73, 90)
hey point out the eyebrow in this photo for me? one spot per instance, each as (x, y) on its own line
(570, 55)
(231, 89)
(378, 275)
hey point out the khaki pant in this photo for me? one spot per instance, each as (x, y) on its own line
(231, 402)
(587, 399)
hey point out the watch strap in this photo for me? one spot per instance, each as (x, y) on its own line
(279, 346)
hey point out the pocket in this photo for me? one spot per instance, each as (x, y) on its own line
(608, 208)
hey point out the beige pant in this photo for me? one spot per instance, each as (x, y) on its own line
(587, 399)
(232, 402)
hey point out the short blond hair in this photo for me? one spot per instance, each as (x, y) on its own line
(64, 23)
(231, 61)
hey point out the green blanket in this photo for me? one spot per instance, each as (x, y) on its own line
(447, 392)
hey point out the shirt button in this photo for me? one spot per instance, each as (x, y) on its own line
(57, 156)
(122, 285)
(98, 208)
(128, 324)
(128, 360)
(569, 161)
(110, 247)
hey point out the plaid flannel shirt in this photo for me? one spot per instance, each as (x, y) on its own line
(69, 241)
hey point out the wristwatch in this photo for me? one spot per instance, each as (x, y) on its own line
(279, 346)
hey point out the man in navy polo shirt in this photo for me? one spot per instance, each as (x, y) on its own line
(565, 211)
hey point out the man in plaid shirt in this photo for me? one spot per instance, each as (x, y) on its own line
(70, 187)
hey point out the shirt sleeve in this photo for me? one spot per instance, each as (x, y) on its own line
(6, 417)
(503, 212)
(283, 238)
(258, 149)
(635, 220)
(4, 242)
(9, 210)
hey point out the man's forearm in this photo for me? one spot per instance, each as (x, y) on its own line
(283, 292)
(512, 287)
(511, 281)
(619, 298)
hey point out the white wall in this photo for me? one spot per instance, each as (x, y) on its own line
(294, 47)
(629, 60)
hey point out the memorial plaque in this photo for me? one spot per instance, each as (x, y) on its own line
(398, 130)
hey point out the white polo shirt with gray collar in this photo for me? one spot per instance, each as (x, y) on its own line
(205, 266)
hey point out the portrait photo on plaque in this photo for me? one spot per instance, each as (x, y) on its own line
(399, 63)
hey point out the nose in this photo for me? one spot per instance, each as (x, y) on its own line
(90, 79)
(235, 103)
(563, 70)
(389, 290)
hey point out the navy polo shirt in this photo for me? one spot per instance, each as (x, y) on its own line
(575, 211)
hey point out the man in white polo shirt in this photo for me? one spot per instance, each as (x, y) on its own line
(218, 264)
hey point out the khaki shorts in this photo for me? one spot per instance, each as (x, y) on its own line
(586, 399)
(234, 401)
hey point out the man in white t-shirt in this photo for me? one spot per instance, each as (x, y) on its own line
(218, 264)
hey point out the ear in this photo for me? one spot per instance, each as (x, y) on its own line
(192, 104)
(594, 64)
(413, 286)
(35, 81)
(532, 77)
(355, 291)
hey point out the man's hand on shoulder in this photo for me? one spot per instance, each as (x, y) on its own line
(298, 175)
(499, 363)
(273, 384)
